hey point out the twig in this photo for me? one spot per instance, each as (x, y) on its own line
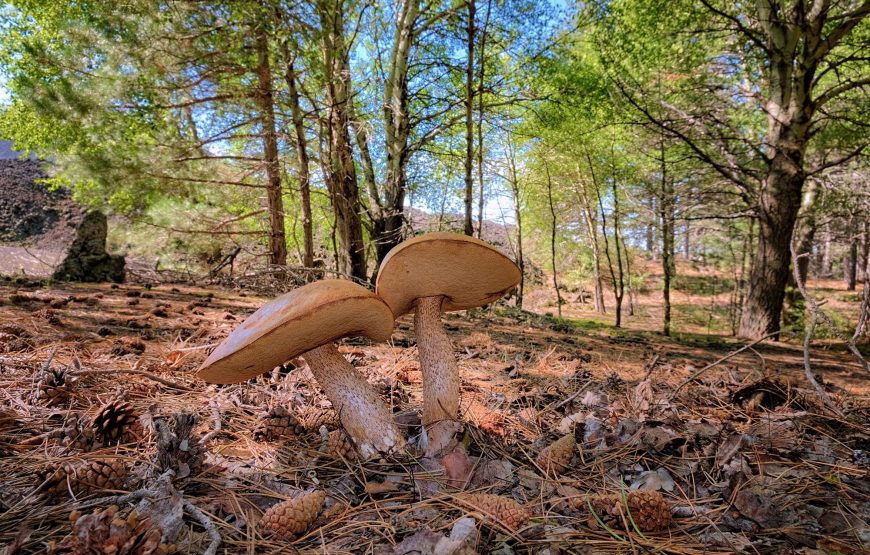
(143, 373)
(206, 523)
(862, 318)
(808, 371)
(815, 307)
(691, 378)
(816, 312)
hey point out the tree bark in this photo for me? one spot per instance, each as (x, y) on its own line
(265, 103)
(796, 41)
(515, 190)
(469, 117)
(387, 229)
(852, 260)
(666, 217)
(341, 180)
(616, 276)
(827, 259)
(590, 218)
(480, 87)
(553, 239)
(865, 252)
(302, 172)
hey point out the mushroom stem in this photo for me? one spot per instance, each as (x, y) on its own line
(440, 376)
(363, 414)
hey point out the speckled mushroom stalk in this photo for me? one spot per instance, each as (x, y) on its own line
(429, 275)
(363, 415)
(441, 381)
(306, 322)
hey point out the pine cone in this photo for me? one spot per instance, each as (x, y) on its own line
(116, 423)
(338, 446)
(81, 436)
(499, 509)
(649, 510)
(49, 316)
(289, 519)
(85, 477)
(105, 532)
(313, 418)
(613, 382)
(278, 422)
(555, 458)
(54, 387)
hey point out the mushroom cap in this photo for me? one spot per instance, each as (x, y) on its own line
(296, 322)
(466, 271)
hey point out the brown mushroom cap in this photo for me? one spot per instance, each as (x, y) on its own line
(466, 271)
(296, 322)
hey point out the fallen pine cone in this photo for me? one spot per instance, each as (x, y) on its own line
(338, 446)
(54, 387)
(289, 519)
(313, 418)
(276, 423)
(116, 423)
(648, 509)
(555, 458)
(105, 532)
(501, 510)
(86, 477)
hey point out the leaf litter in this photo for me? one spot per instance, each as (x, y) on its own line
(556, 424)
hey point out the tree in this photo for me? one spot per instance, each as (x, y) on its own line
(800, 63)
(263, 96)
(341, 178)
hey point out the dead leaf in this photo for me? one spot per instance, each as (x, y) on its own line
(421, 543)
(457, 468)
(654, 480)
(379, 488)
(759, 505)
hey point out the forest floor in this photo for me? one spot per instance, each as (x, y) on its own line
(745, 456)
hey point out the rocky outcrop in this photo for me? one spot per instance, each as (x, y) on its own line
(44, 233)
(86, 258)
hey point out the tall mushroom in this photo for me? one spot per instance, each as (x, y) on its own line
(431, 274)
(305, 322)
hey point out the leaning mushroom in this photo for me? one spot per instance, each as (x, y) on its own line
(305, 322)
(431, 274)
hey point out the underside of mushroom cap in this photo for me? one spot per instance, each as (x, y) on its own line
(296, 322)
(466, 271)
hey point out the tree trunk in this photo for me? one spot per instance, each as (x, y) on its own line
(290, 78)
(616, 278)
(687, 241)
(515, 189)
(865, 251)
(590, 217)
(480, 87)
(795, 48)
(666, 217)
(852, 261)
(469, 117)
(397, 128)
(341, 180)
(553, 239)
(779, 203)
(827, 259)
(265, 103)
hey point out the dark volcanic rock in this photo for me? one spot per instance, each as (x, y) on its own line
(28, 210)
(45, 233)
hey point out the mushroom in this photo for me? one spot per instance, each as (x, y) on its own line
(305, 322)
(431, 274)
